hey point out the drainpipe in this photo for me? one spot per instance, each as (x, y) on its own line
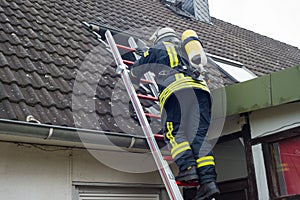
(76, 136)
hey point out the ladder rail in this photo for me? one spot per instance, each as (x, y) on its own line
(163, 167)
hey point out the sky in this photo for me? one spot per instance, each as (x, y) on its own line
(276, 19)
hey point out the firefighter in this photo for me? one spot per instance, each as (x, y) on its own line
(185, 107)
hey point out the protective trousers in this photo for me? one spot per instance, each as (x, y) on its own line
(186, 116)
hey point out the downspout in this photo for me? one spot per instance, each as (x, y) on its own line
(74, 135)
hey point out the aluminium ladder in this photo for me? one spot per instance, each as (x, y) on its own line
(163, 167)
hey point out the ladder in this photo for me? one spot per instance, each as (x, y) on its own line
(162, 165)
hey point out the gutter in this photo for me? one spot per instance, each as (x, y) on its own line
(69, 136)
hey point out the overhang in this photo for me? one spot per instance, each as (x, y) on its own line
(267, 91)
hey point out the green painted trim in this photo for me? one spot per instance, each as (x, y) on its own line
(248, 96)
(266, 91)
(285, 86)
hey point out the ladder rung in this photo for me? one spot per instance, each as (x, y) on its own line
(168, 158)
(125, 48)
(159, 136)
(128, 62)
(141, 96)
(146, 81)
(187, 184)
(152, 116)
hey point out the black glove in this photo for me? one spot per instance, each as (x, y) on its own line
(139, 51)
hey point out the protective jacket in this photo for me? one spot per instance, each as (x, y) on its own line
(167, 62)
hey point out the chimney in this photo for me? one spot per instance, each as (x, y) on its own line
(197, 8)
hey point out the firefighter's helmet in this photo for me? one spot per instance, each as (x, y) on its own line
(164, 34)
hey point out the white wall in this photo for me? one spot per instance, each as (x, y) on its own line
(39, 172)
(87, 168)
(27, 172)
(276, 119)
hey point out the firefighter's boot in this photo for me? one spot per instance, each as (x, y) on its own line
(208, 191)
(188, 175)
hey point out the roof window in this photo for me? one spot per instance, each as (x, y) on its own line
(236, 71)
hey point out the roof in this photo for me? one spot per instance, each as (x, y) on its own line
(54, 69)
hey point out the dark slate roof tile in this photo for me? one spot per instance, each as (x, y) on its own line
(3, 60)
(52, 64)
(3, 92)
(6, 75)
(7, 111)
(31, 95)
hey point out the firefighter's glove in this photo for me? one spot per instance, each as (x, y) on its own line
(139, 51)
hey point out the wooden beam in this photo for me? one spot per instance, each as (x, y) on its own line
(246, 134)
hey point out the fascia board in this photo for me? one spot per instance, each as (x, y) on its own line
(263, 92)
(249, 95)
(285, 86)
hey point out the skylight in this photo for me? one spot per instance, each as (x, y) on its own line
(235, 70)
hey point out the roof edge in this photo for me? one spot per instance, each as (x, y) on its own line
(267, 91)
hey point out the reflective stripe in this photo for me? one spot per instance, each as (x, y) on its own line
(205, 158)
(180, 83)
(169, 134)
(179, 76)
(179, 149)
(205, 164)
(173, 57)
(170, 57)
(146, 53)
(205, 161)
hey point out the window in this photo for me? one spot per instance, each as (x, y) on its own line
(119, 197)
(117, 192)
(282, 161)
(287, 159)
(234, 70)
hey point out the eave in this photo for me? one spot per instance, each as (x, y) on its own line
(267, 91)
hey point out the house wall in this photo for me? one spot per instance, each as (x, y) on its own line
(32, 173)
(275, 119)
(47, 172)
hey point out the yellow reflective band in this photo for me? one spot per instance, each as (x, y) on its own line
(177, 85)
(179, 151)
(205, 158)
(146, 53)
(205, 164)
(187, 81)
(175, 56)
(169, 134)
(179, 76)
(170, 57)
(183, 144)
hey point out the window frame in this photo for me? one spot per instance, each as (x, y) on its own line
(270, 162)
(83, 189)
(233, 64)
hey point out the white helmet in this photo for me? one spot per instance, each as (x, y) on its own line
(162, 34)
